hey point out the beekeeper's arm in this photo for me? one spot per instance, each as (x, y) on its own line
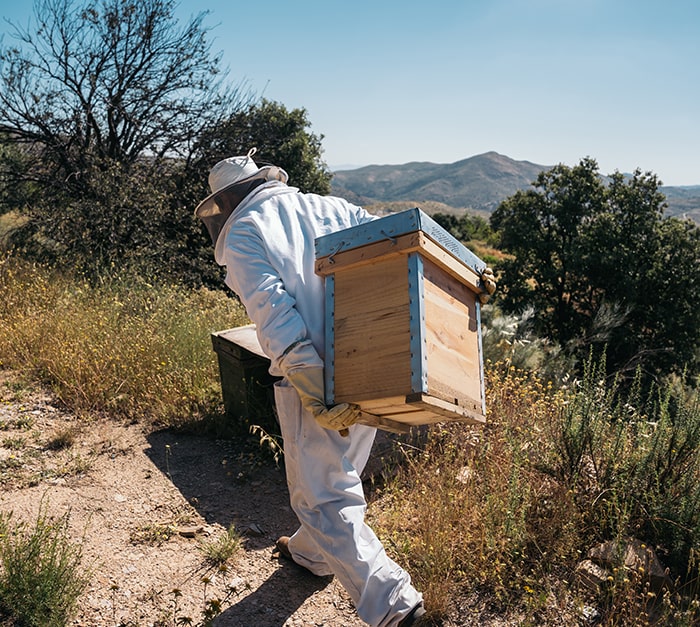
(282, 332)
(310, 385)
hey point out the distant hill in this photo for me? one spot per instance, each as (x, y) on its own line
(683, 201)
(478, 183)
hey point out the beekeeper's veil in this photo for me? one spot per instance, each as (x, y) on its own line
(236, 176)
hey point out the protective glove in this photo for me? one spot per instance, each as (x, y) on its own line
(489, 280)
(308, 382)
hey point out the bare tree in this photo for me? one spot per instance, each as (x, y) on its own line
(118, 78)
(97, 91)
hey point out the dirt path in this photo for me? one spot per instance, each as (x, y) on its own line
(143, 504)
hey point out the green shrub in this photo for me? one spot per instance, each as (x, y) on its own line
(41, 577)
(633, 463)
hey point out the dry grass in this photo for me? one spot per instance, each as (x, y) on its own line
(126, 348)
(489, 512)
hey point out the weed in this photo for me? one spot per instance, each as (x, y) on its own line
(211, 610)
(62, 439)
(24, 422)
(15, 390)
(269, 442)
(219, 551)
(41, 577)
(14, 443)
(73, 466)
(153, 534)
(12, 462)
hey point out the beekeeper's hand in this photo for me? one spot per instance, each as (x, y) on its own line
(488, 278)
(308, 382)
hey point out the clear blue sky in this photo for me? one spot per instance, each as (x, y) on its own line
(547, 81)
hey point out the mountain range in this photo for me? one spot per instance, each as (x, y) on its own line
(477, 184)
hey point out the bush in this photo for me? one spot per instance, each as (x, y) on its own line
(632, 463)
(508, 511)
(41, 577)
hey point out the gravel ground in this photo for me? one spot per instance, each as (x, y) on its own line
(143, 504)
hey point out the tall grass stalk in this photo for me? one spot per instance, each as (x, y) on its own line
(469, 512)
(126, 347)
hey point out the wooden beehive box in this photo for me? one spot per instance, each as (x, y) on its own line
(403, 330)
(246, 384)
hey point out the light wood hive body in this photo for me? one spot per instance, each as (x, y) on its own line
(403, 331)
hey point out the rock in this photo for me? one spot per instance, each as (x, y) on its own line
(464, 475)
(590, 614)
(208, 530)
(237, 585)
(634, 556)
(591, 576)
(189, 531)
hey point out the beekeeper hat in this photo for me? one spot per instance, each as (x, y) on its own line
(231, 171)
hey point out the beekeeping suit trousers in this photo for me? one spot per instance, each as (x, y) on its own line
(323, 474)
(267, 247)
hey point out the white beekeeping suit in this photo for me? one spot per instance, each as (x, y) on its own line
(267, 247)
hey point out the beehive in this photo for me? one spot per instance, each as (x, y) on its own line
(246, 384)
(403, 329)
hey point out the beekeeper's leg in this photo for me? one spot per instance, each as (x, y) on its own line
(302, 544)
(323, 473)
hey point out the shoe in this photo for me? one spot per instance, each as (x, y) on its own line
(414, 618)
(282, 550)
(282, 546)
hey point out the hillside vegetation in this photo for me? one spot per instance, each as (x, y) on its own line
(479, 182)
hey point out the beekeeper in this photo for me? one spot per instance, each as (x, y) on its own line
(263, 232)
